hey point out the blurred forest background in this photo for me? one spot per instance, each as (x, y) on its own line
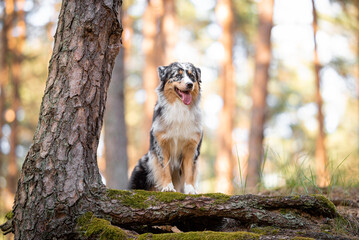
(280, 95)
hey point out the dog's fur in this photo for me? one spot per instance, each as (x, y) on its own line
(176, 133)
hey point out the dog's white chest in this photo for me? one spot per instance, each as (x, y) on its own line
(181, 122)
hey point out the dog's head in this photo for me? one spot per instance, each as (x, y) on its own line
(180, 81)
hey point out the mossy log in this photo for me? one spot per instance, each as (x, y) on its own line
(137, 211)
(197, 212)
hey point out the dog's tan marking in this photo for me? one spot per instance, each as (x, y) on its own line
(163, 173)
(180, 71)
(170, 92)
(195, 93)
(189, 168)
(189, 71)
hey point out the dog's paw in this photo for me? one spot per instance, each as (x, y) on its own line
(189, 189)
(168, 188)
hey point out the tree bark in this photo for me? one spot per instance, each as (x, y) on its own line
(115, 129)
(60, 171)
(225, 160)
(259, 92)
(320, 152)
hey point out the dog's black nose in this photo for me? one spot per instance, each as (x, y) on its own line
(189, 85)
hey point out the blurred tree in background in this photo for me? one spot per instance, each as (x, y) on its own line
(259, 91)
(278, 150)
(320, 152)
(225, 158)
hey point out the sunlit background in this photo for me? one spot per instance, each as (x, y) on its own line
(291, 126)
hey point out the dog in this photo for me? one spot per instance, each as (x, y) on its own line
(176, 133)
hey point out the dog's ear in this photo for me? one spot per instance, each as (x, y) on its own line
(198, 75)
(162, 72)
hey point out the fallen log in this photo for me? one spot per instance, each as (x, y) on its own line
(131, 213)
(135, 208)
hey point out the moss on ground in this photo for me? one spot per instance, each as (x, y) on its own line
(144, 199)
(9, 215)
(206, 235)
(265, 230)
(219, 197)
(302, 238)
(326, 203)
(92, 227)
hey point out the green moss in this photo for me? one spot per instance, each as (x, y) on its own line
(302, 238)
(92, 227)
(296, 197)
(144, 199)
(208, 235)
(265, 230)
(9, 215)
(219, 197)
(326, 203)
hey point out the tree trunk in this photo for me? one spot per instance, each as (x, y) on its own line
(259, 92)
(3, 79)
(320, 152)
(357, 70)
(16, 59)
(60, 172)
(225, 159)
(168, 30)
(115, 129)
(153, 58)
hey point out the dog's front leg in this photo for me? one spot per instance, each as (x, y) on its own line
(190, 166)
(162, 171)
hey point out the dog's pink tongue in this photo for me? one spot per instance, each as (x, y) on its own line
(186, 98)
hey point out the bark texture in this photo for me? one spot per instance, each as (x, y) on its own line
(320, 151)
(60, 170)
(225, 159)
(259, 92)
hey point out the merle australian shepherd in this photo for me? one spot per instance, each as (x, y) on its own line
(176, 133)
